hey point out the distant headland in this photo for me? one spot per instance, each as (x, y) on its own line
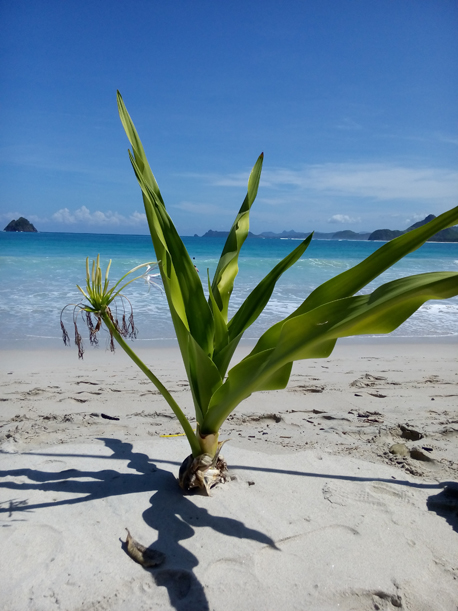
(446, 235)
(21, 224)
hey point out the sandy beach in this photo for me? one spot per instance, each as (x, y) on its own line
(343, 490)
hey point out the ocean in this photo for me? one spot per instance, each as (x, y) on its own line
(40, 271)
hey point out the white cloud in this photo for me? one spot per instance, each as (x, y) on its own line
(138, 217)
(379, 181)
(237, 179)
(64, 216)
(414, 218)
(84, 215)
(343, 218)
(9, 216)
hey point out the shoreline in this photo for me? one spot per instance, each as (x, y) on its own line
(55, 343)
(57, 355)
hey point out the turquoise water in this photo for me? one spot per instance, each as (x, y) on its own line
(40, 272)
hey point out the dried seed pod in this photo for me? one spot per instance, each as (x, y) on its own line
(145, 556)
(79, 342)
(65, 335)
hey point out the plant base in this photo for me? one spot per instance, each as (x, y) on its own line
(203, 472)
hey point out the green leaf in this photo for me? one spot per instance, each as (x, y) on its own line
(189, 287)
(379, 312)
(223, 356)
(253, 306)
(191, 314)
(351, 281)
(241, 382)
(204, 376)
(182, 284)
(227, 268)
(313, 334)
(137, 148)
(278, 379)
(221, 332)
(255, 303)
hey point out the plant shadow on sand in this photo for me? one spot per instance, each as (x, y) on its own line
(173, 514)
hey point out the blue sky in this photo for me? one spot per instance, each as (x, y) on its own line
(353, 102)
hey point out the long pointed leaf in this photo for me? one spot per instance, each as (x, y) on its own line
(203, 376)
(227, 268)
(351, 281)
(203, 373)
(313, 334)
(221, 332)
(191, 314)
(137, 147)
(185, 288)
(379, 312)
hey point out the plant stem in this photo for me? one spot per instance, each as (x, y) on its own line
(193, 441)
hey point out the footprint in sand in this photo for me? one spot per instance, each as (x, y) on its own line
(379, 600)
(377, 494)
(314, 554)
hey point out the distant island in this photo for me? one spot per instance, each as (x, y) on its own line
(446, 235)
(293, 235)
(21, 224)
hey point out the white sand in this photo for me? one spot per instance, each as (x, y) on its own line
(319, 515)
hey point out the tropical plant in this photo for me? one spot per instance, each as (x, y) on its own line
(207, 339)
